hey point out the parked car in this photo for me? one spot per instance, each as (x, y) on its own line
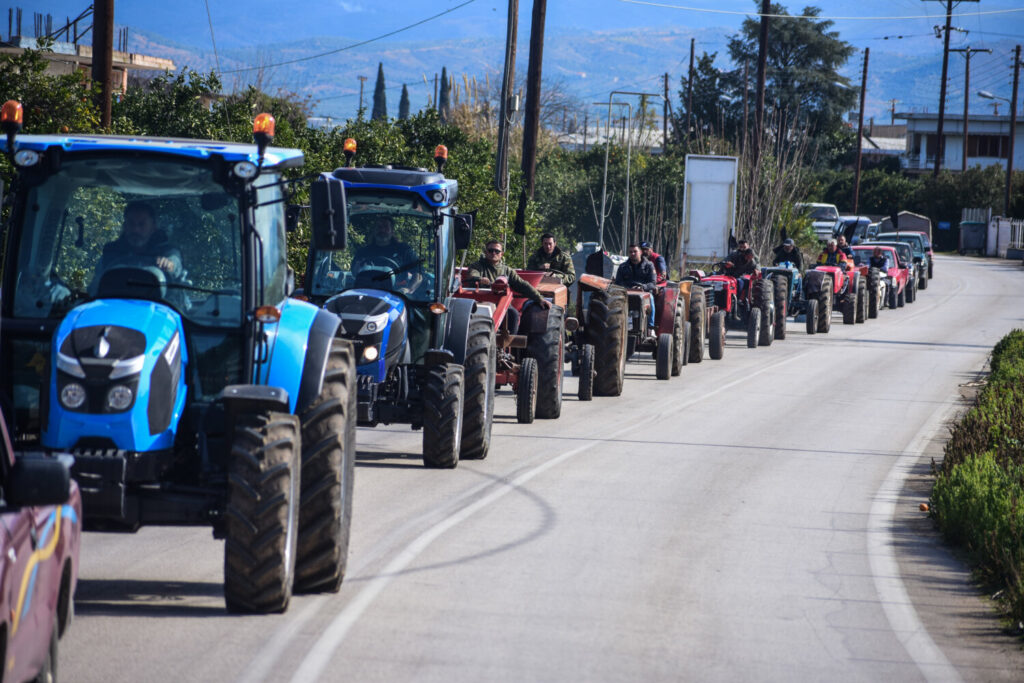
(824, 218)
(926, 242)
(917, 242)
(41, 513)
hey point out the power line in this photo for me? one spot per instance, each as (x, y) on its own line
(354, 45)
(213, 40)
(818, 18)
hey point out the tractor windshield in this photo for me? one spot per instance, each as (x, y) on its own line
(390, 247)
(102, 226)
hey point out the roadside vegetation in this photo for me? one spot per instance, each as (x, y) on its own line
(978, 498)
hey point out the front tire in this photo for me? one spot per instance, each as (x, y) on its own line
(765, 291)
(862, 301)
(812, 316)
(716, 336)
(680, 339)
(666, 351)
(753, 328)
(328, 470)
(526, 391)
(586, 365)
(262, 514)
(443, 394)
(874, 293)
(781, 307)
(478, 400)
(825, 306)
(698, 323)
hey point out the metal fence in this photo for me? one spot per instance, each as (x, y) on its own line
(1016, 233)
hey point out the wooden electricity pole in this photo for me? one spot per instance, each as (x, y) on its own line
(860, 131)
(967, 95)
(531, 120)
(689, 97)
(1013, 131)
(103, 55)
(762, 68)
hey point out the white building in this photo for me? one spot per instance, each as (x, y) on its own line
(988, 141)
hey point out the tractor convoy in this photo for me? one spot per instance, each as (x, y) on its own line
(151, 328)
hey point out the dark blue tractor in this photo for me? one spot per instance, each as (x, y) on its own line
(425, 357)
(147, 329)
(789, 298)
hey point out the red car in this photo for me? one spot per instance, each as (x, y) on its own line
(890, 287)
(40, 533)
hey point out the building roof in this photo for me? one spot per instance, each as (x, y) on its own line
(82, 55)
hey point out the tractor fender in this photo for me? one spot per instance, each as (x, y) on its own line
(318, 349)
(456, 329)
(665, 312)
(812, 282)
(533, 319)
(287, 345)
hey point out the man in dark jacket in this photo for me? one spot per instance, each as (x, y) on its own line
(383, 249)
(741, 262)
(637, 273)
(550, 258)
(489, 268)
(788, 252)
(141, 244)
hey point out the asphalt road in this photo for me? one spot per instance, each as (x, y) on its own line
(751, 519)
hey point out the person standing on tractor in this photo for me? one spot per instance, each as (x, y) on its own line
(551, 259)
(787, 252)
(657, 260)
(489, 268)
(832, 256)
(637, 273)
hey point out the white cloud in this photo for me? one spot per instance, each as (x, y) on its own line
(350, 6)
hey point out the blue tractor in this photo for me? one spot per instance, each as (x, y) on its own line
(789, 299)
(425, 357)
(147, 329)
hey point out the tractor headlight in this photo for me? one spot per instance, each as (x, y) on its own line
(437, 196)
(246, 170)
(374, 324)
(370, 353)
(119, 397)
(72, 396)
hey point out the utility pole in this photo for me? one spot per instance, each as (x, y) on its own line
(586, 130)
(940, 146)
(762, 68)
(1013, 131)
(689, 96)
(743, 147)
(435, 95)
(103, 55)
(892, 112)
(531, 120)
(860, 131)
(967, 96)
(362, 79)
(664, 120)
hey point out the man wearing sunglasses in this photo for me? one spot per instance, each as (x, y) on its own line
(490, 267)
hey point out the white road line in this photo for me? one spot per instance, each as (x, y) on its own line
(319, 656)
(885, 571)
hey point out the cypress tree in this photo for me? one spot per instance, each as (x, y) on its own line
(380, 103)
(403, 104)
(443, 104)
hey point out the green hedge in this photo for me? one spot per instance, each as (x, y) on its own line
(978, 498)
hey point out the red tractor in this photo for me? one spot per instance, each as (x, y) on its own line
(829, 287)
(669, 339)
(752, 309)
(531, 359)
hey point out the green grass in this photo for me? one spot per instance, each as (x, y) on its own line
(978, 498)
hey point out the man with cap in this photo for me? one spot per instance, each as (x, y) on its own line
(551, 259)
(832, 256)
(741, 262)
(788, 252)
(656, 259)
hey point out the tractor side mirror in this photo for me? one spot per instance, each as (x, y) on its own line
(329, 213)
(464, 229)
(291, 217)
(37, 480)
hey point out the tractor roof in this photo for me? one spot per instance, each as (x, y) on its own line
(198, 149)
(418, 180)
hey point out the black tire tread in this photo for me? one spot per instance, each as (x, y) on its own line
(547, 349)
(606, 330)
(478, 396)
(442, 416)
(698, 323)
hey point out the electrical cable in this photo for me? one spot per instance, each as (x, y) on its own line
(817, 18)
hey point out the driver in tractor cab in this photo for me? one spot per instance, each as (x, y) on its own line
(141, 244)
(787, 252)
(741, 262)
(382, 247)
(832, 256)
(657, 260)
(638, 273)
(489, 268)
(552, 260)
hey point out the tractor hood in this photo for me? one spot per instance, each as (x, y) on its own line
(377, 322)
(117, 378)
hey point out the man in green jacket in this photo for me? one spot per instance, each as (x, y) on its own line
(553, 260)
(489, 268)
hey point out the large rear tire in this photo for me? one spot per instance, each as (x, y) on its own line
(526, 391)
(781, 306)
(716, 336)
(874, 292)
(666, 351)
(753, 328)
(586, 372)
(862, 300)
(549, 350)
(698, 323)
(811, 314)
(442, 416)
(894, 296)
(478, 401)
(262, 513)
(606, 330)
(328, 470)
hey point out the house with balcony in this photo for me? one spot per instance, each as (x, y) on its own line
(988, 141)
